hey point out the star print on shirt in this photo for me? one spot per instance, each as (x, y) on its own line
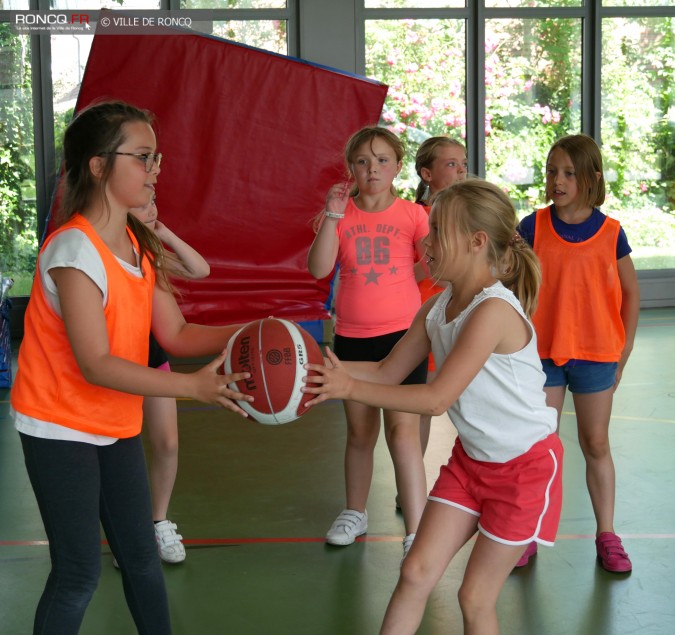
(372, 276)
(393, 271)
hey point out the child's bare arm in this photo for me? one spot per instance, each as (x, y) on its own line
(630, 309)
(323, 252)
(190, 261)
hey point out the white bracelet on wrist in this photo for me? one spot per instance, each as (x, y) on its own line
(329, 214)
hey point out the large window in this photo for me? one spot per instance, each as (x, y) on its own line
(532, 97)
(638, 133)
(422, 61)
(535, 71)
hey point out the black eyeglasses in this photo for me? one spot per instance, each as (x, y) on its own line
(150, 159)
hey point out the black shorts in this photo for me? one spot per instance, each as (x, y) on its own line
(156, 355)
(375, 349)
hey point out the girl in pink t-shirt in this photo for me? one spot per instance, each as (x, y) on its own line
(376, 238)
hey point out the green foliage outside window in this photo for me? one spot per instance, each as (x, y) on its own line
(423, 63)
(18, 220)
(265, 34)
(638, 129)
(533, 97)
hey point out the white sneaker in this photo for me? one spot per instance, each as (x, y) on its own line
(169, 543)
(407, 543)
(348, 526)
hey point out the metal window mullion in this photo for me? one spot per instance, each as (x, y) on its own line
(664, 11)
(293, 28)
(360, 17)
(532, 13)
(43, 120)
(591, 68)
(248, 14)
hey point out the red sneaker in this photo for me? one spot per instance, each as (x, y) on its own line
(529, 552)
(611, 554)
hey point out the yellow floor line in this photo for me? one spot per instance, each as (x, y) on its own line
(622, 418)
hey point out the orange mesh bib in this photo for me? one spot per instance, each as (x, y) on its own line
(579, 312)
(49, 385)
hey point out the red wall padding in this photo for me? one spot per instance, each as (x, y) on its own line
(251, 142)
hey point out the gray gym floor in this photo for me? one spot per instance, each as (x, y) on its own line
(254, 502)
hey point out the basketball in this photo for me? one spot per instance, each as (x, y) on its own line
(274, 351)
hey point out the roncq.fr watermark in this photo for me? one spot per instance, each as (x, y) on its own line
(110, 22)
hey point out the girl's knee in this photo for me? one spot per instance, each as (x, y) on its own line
(404, 441)
(595, 448)
(416, 573)
(403, 432)
(76, 584)
(362, 440)
(471, 601)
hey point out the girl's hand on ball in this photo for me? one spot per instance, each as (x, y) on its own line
(212, 387)
(329, 381)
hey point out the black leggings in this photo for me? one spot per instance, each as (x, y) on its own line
(76, 486)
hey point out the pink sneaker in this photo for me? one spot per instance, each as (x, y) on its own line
(529, 552)
(611, 554)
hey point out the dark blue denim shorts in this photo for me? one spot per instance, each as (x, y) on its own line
(581, 377)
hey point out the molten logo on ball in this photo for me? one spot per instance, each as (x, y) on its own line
(245, 364)
(274, 352)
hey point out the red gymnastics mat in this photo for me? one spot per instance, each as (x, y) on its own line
(251, 141)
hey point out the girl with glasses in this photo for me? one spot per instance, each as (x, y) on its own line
(82, 371)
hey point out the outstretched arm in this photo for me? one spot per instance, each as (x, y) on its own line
(80, 301)
(493, 327)
(180, 338)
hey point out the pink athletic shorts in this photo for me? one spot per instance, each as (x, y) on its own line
(518, 501)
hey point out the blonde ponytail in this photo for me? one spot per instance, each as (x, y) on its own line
(476, 205)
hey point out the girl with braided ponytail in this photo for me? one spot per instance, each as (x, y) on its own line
(439, 162)
(491, 383)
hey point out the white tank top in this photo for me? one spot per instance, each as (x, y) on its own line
(503, 412)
